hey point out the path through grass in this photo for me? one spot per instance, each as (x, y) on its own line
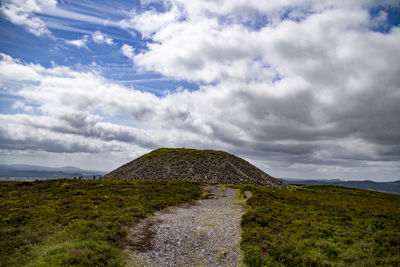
(78, 222)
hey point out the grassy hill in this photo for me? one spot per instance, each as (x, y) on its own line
(85, 223)
(196, 165)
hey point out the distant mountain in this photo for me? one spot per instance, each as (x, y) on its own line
(29, 172)
(388, 187)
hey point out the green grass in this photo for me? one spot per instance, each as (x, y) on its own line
(175, 154)
(320, 226)
(78, 222)
(85, 223)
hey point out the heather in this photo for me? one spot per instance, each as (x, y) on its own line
(320, 226)
(78, 222)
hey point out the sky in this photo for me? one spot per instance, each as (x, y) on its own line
(300, 88)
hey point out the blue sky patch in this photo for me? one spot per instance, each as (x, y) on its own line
(307, 90)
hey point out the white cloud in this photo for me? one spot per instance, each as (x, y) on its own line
(318, 90)
(300, 79)
(79, 43)
(245, 9)
(127, 51)
(245, 118)
(80, 16)
(21, 105)
(22, 12)
(97, 37)
(101, 38)
(11, 69)
(150, 22)
(206, 50)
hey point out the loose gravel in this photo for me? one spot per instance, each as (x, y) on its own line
(204, 234)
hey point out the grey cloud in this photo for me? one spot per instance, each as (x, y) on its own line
(79, 124)
(48, 145)
(78, 120)
(292, 149)
(225, 134)
(334, 106)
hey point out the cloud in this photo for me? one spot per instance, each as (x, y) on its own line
(80, 14)
(11, 69)
(78, 113)
(27, 13)
(66, 134)
(68, 102)
(97, 37)
(296, 83)
(294, 88)
(150, 22)
(127, 51)
(219, 51)
(101, 38)
(79, 43)
(21, 105)
(243, 118)
(23, 13)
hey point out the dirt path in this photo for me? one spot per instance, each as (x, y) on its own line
(205, 234)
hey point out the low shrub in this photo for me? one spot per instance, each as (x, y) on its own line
(78, 222)
(320, 226)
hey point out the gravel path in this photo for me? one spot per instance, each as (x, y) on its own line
(204, 234)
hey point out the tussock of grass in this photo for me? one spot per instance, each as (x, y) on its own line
(77, 222)
(320, 226)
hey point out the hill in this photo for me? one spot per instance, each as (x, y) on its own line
(33, 172)
(388, 187)
(195, 165)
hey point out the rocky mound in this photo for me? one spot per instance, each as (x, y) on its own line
(194, 165)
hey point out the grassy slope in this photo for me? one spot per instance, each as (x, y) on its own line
(173, 154)
(77, 222)
(321, 226)
(83, 223)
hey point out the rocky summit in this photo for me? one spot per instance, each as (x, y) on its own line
(194, 165)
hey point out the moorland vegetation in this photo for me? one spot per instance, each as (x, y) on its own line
(320, 226)
(78, 222)
(85, 222)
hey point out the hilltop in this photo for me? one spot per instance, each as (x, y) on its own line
(195, 165)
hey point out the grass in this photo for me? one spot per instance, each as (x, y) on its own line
(177, 154)
(78, 222)
(320, 226)
(85, 223)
